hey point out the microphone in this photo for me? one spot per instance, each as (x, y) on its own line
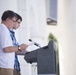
(35, 43)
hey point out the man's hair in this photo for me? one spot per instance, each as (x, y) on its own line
(8, 14)
(18, 17)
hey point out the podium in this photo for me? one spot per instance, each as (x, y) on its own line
(45, 58)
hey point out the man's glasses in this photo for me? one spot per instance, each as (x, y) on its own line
(12, 20)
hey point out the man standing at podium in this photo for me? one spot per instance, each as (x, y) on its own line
(7, 48)
(16, 64)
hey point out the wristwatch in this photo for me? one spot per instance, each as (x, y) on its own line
(19, 49)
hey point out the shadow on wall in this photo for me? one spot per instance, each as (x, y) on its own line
(50, 37)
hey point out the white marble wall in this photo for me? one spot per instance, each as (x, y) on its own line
(7, 5)
(67, 36)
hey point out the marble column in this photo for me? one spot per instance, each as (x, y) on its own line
(67, 36)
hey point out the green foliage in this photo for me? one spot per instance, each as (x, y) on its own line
(51, 36)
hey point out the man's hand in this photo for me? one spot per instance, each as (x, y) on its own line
(23, 47)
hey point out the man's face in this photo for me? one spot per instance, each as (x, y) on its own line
(17, 24)
(11, 22)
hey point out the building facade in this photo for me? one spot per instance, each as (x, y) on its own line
(34, 26)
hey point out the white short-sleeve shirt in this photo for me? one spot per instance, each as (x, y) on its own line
(6, 59)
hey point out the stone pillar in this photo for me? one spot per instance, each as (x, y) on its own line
(67, 36)
(8, 5)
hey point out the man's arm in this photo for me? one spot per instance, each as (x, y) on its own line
(15, 48)
(10, 49)
(21, 52)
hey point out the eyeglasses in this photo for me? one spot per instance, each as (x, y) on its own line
(12, 20)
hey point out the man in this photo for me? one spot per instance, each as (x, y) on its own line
(18, 22)
(16, 65)
(7, 49)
